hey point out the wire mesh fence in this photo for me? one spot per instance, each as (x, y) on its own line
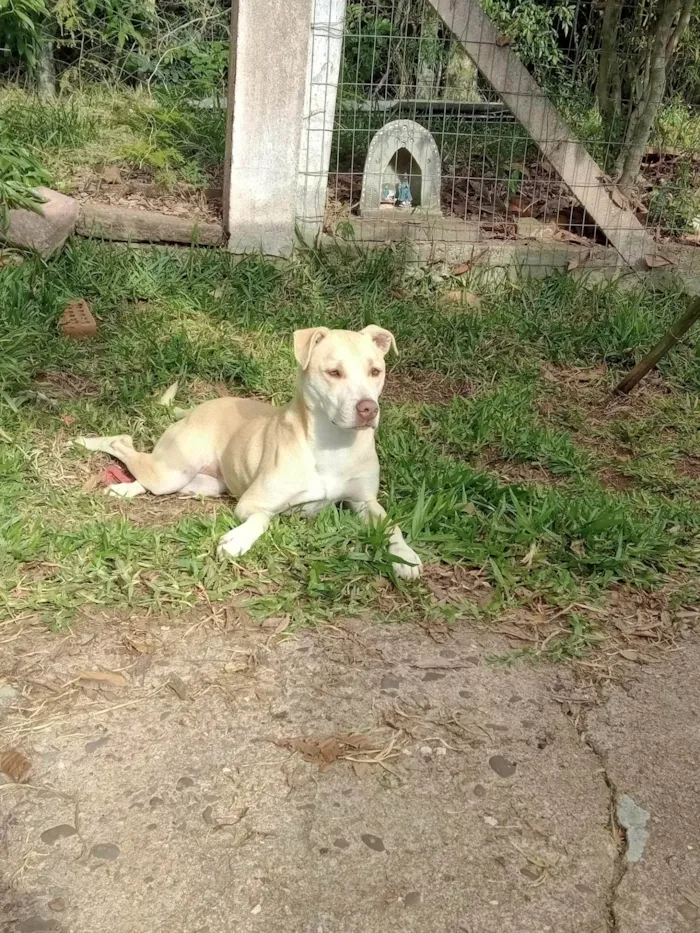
(512, 104)
(593, 62)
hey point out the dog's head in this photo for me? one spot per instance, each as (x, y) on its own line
(342, 372)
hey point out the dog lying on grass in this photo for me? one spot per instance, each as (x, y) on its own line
(317, 450)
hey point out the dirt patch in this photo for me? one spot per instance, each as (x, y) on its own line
(140, 193)
(688, 466)
(455, 584)
(508, 471)
(165, 510)
(63, 385)
(426, 387)
(613, 479)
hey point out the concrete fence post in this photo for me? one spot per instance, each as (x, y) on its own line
(322, 74)
(283, 76)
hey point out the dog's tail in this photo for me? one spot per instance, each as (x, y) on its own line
(167, 400)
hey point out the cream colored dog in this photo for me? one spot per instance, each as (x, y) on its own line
(317, 450)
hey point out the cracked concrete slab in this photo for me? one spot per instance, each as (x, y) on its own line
(477, 808)
(647, 734)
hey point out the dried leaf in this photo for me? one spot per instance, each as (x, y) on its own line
(529, 228)
(236, 667)
(277, 623)
(221, 389)
(178, 686)
(68, 420)
(168, 397)
(690, 896)
(462, 268)
(104, 677)
(325, 751)
(436, 664)
(530, 556)
(578, 260)
(618, 198)
(629, 654)
(502, 41)
(657, 261)
(462, 297)
(362, 769)
(15, 765)
(91, 483)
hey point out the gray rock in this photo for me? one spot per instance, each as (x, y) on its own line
(44, 232)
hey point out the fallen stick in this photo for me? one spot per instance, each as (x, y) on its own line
(667, 342)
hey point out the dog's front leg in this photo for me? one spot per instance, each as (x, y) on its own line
(255, 523)
(371, 510)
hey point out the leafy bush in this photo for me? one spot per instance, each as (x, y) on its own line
(20, 173)
(20, 22)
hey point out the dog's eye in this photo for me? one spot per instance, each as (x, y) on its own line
(375, 372)
(334, 373)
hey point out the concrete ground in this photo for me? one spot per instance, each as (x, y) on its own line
(227, 776)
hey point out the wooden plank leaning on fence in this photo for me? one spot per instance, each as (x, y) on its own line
(527, 101)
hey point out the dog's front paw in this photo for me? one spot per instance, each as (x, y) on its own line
(235, 542)
(413, 567)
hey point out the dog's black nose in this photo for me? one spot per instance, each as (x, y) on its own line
(367, 409)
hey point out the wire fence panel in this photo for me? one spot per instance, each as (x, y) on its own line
(593, 63)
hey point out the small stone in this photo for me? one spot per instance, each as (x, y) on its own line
(91, 747)
(49, 836)
(156, 801)
(341, 843)
(466, 694)
(688, 912)
(432, 676)
(373, 842)
(426, 751)
(390, 682)
(441, 750)
(105, 850)
(184, 782)
(502, 767)
(8, 695)
(479, 790)
(111, 175)
(57, 904)
(530, 873)
(256, 909)
(412, 899)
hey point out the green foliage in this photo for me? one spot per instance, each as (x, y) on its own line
(535, 28)
(20, 25)
(55, 126)
(20, 173)
(178, 140)
(367, 42)
(210, 318)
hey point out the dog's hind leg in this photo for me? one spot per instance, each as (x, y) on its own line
(151, 472)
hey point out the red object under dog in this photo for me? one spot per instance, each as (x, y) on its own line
(116, 474)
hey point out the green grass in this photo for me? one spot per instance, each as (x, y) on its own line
(200, 317)
(160, 135)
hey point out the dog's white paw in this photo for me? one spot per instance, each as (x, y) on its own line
(236, 542)
(125, 490)
(413, 567)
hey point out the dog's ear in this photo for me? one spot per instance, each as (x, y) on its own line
(305, 341)
(383, 338)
